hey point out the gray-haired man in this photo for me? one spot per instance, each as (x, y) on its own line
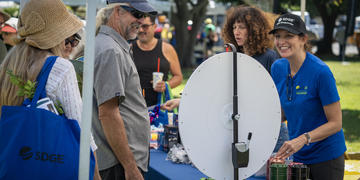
(120, 120)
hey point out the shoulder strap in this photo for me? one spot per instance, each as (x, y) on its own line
(42, 79)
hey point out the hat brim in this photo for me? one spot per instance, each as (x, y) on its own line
(144, 7)
(8, 29)
(294, 31)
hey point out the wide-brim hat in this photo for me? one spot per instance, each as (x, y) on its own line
(289, 22)
(5, 15)
(46, 23)
(140, 5)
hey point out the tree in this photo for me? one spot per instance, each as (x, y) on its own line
(185, 39)
(328, 10)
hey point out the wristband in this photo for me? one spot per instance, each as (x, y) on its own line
(308, 138)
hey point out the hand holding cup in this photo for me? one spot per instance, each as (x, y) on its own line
(158, 83)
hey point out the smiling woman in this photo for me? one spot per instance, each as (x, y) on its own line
(310, 101)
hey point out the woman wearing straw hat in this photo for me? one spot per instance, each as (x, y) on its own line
(310, 101)
(44, 26)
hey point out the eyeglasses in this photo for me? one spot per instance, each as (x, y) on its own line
(146, 26)
(289, 88)
(73, 40)
(137, 14)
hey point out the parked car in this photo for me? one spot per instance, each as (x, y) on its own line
(316, 30)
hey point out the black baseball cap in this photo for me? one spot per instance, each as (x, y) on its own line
(291, 23)
(140, 5)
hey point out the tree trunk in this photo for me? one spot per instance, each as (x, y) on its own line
(185, 39)
(328, 15)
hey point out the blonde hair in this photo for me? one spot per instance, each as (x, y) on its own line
(24, 61)
(103, 15)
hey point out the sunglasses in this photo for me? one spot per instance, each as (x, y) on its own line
(137, 14)
(146, 26)
(289, 87)
(73, 40)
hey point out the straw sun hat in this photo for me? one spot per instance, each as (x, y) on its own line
(46, 23)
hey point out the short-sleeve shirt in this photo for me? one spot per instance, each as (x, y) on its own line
(267, 58)
(115, 75)
(302, 98)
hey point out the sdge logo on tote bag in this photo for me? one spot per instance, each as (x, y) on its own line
(26, 154)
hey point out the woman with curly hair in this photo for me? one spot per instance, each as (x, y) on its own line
(247, 28)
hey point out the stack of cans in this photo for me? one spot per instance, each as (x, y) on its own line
(278, 172)
(298, 172)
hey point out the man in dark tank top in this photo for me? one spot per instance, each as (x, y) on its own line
(154, 55)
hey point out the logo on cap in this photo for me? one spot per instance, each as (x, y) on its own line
(285, 20)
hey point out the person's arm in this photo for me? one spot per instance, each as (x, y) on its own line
(334, 125)
(96, 173)
(115, 133)
(175, 69)
(171, 104)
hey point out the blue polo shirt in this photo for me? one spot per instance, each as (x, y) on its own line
(302, 98)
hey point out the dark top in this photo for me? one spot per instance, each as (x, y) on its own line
(146, 63)
(267, 59)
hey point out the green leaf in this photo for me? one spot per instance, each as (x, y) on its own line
(25, 89)
(58, 107)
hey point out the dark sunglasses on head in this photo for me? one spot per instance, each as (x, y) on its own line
(73, 40)
(137, 14)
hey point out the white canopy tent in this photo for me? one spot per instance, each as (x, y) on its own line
(91, 6)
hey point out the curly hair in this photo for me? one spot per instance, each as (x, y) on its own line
(257, 24)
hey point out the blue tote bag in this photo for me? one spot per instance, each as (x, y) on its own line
(39, 144)
(157, 115)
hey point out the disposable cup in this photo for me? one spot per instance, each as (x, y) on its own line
(157, 77)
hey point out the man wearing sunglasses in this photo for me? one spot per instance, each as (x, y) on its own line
(150, 53)
(120, 119)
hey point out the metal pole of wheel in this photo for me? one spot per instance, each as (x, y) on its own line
(235, 104)
(84, 161)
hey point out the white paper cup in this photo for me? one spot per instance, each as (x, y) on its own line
(157, 77)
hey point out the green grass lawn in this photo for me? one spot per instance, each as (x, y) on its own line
(348, 83)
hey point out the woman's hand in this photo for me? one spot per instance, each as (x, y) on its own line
(160, 86)
(171, 104)
(291, 147)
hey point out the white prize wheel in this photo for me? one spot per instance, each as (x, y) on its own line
(205, 123)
